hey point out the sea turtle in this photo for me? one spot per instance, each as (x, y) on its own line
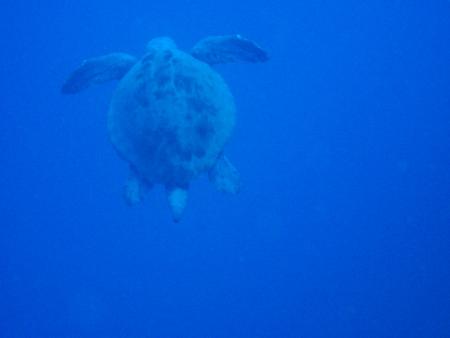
(171, 113)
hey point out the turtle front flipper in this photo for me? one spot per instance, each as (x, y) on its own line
(225, 176)
(98, 70)
(228, 48)
(177, 201)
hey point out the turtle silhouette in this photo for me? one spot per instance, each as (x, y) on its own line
(171, 113)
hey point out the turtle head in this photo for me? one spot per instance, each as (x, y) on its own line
(160, 44)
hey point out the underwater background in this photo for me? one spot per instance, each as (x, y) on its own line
(342, 226)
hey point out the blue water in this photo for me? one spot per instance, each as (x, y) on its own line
(342, 227)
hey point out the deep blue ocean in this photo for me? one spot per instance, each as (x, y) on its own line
(342, 141)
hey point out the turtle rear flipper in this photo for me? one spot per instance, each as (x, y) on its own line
(98, 70)
(228, 48)
(135, 189)
(225, 176)
(177, 197)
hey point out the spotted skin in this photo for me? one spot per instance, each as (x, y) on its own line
(170, 117)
